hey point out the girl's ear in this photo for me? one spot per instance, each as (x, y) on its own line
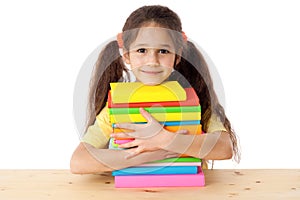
(178, 56)
(126, 58)
(178, 59)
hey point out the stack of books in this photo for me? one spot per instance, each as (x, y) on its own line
(176, 108)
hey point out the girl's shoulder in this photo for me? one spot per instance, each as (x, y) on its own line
(215, 124)
(103, 115)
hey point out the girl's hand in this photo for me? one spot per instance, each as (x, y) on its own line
(153, 155)
(148, 137)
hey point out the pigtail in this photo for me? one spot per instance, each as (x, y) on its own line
(108, 68)
(194, 68)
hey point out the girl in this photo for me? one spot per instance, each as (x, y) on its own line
(157, 50)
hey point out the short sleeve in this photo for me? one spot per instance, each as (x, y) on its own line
(98, 134)
(215, 124)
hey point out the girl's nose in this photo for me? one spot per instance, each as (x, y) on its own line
(153, 58)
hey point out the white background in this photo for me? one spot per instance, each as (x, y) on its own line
(254, 45)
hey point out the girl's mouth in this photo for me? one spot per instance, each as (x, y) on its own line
(151, 72)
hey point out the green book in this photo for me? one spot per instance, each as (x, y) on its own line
(180, 159)
(172, 109)
(161, 117)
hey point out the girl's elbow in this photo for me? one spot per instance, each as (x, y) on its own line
(228, 153)
(78, 162)
(73, 168)
(223, 152)
(76, 165)
(227, 147)
(82, 162)
(223, 149)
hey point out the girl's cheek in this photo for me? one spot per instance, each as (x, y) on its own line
(136, 62)
(168, 63)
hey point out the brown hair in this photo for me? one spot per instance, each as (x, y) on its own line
(110, 68)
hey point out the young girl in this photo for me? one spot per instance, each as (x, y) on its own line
(157, 50)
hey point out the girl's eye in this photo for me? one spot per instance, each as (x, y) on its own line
(164, 51)
(141, 50)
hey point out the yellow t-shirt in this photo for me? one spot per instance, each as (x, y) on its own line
(98, 134)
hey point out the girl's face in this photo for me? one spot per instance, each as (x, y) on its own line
(151, 56)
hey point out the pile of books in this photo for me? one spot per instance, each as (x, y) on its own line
(176, 108)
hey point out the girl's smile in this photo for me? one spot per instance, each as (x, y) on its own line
(151, 72)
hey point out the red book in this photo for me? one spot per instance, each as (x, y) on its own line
(192, 100)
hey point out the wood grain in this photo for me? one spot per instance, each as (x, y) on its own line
(220, 184)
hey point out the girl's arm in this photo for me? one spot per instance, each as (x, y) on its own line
(88, 159)
(150, 137)
(210, 146)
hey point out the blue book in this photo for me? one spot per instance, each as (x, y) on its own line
(156, 170)
(180, 123)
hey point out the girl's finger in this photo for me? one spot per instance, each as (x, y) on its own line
(130, 152)
(134, 143)
(125, 126)
(121, 135)
(172, 155)
(182, 132)
(134, 153)
(145, 114)
(131, 155)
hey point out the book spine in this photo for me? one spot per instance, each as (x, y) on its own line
(160, 109)
(123, 141)
(156, 170)
(172, 123)
(112, 145)
(181, 123)
(162, 117)
(138, 92)
(180, 159)
(171, 164)
(192, 129)
(180, 180)
(192, 100)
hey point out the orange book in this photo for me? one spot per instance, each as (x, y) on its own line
(194, 129)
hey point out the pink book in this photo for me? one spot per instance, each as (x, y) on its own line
(123, 141)
(181, 180)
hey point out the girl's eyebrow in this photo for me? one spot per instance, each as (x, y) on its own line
(149, 45)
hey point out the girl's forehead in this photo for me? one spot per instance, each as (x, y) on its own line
(153, 37)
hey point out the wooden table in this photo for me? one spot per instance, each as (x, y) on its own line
(220, 184)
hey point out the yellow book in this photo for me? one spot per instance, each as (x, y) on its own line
(137, 92)
(161, 117)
